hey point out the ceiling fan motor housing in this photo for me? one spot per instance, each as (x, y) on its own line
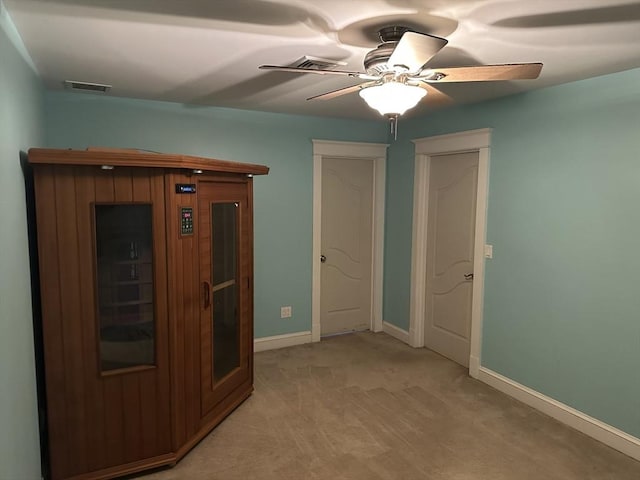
(392, 34)
(375, 62)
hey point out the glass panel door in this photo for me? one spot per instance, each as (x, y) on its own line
(124, 255)
(225, 275)
(225, 329)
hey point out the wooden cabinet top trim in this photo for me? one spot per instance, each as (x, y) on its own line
(136, 158)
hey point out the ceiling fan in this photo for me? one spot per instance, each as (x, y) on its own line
(397, 77)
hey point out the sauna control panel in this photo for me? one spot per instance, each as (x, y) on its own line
(186, 221)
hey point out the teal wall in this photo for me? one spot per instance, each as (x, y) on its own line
(283, 199)
(562, 303)
(20, 128)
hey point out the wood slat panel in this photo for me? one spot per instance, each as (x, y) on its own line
(114, 420)
(132, 415)
(104, 185)
(122, 185)
(175, 298)
(149, 416)
(191, 261)
(94, 395)
(72, 320)
(184, 296)
(180, 327)
(163, 377)
(141, 184)
(52, 319)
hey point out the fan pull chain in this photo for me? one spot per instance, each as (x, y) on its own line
(393, 123)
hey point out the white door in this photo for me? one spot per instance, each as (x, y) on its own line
(453, 180)
(346, 245)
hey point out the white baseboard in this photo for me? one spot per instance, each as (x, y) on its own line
(611, 436)
(474, 366)
(395, 332)
(281, 341)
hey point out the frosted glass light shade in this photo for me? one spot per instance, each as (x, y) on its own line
(392, 97)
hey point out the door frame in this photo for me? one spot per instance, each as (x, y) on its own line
(377, 153)
(425, 148)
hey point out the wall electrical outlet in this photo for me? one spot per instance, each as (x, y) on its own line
(285, 312)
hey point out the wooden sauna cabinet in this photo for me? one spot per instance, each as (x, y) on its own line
(146, 279)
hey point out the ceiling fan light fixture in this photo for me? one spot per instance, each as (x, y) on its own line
(392, 98)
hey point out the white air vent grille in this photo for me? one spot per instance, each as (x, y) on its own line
(87, 87)
(315, 63)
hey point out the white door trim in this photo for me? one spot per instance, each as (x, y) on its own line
(425, 148)
(377, 152)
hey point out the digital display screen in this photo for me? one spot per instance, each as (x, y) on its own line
(186, 221)
(185, 188)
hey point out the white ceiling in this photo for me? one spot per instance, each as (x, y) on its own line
(206, 52)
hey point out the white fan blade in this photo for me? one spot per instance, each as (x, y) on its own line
(414, 50)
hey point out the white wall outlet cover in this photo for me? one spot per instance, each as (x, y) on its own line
(285, 312)
(488, 251)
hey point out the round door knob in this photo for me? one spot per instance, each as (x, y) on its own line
(323, 259)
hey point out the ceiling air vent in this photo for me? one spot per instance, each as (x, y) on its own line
(315, 63)
(87, 87)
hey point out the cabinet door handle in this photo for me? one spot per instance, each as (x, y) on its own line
(206, 290)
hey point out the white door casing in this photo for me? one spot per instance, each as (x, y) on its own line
(347, 234)
(425, 148)
(375, 153)
(449, 272)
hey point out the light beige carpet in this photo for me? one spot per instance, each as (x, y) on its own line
(366, 406)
